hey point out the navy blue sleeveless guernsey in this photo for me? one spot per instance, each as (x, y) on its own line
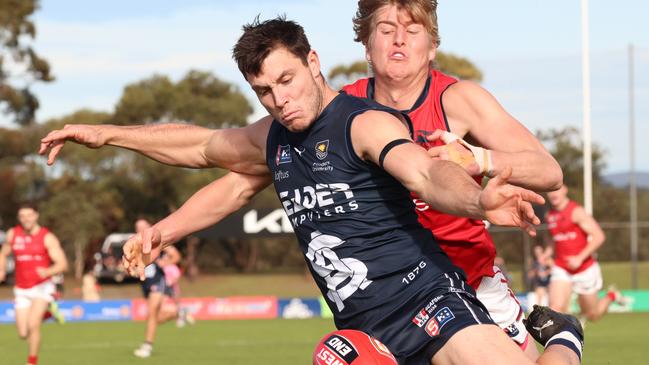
(375, 264)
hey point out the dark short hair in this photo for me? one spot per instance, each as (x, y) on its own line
(28, 205)
(261, 37)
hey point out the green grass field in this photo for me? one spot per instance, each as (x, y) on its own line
(616, 339)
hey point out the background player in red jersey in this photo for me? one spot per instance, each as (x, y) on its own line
(38, 256)
(577, 237)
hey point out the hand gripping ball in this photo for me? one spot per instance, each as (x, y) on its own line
(351, 347)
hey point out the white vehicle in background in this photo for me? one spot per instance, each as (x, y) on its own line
(108, 261)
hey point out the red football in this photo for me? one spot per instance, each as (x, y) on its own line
(351, 347)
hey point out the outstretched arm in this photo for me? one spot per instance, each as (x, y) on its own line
(473, 112)
(184, 145)
(206, 207)
(442, 184)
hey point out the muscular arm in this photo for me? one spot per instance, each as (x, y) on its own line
(473, 111)
(590, 226)
(210, 205)
(239, 149)
(54, 250)
(206, 207)
(5, 251)
(442, 184)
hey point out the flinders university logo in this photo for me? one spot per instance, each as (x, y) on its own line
(322, 149)
(283, 154)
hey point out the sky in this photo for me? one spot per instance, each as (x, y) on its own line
(529, 52)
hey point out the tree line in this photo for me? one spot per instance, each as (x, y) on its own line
(90, 193)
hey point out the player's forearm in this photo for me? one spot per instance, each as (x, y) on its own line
(533, 170)
(172, 144)
(449, 189)
(58, 268)
(210, 205)
(594, 243)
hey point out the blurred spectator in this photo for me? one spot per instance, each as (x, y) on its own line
(539, 273)
(89, 287)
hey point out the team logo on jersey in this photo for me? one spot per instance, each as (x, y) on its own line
(322, 149)
(421, 318)
(283, 155)
(511, 330)
(344, 275)
(299, 150)
(443, 316)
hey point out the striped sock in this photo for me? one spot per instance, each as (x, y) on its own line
(569, 339)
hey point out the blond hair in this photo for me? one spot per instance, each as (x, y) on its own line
(422, 11)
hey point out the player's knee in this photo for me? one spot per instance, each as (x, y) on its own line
(592, 315)
(23, 335)
(33, 328)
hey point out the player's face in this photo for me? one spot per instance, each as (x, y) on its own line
(141, 225)
(28, 218)
(288, 90)
(398, 48)
(558, 197)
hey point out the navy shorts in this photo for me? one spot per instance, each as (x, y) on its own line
(422, 326)
(157, 285)
(542, 282)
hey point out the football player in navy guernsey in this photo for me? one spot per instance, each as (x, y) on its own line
(342, 168)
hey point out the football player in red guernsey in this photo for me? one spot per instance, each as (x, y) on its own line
(576, 236)
(38, 256)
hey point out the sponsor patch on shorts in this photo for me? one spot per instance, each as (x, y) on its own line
(443, 316)
(421, 318)
(432, 328)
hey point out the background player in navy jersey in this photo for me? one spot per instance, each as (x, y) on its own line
(156, 290)
(285, 74)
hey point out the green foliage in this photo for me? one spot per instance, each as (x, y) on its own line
(15, 29)
(567, 148)
(345, 74)
(74, 217)
(457, 66)
(78, 160)
(89, 193)
(610, 204)
(199, 98)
